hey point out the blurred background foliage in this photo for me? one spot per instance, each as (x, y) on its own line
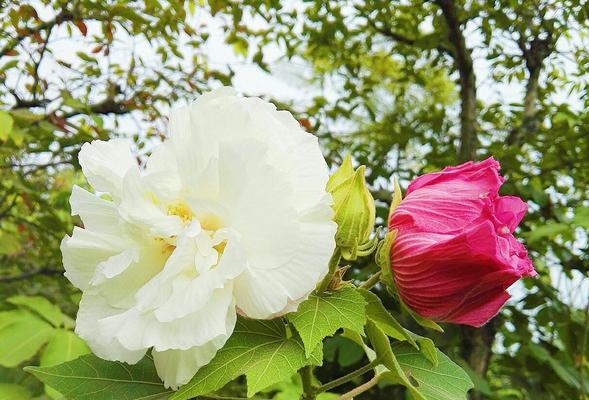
(406, 87)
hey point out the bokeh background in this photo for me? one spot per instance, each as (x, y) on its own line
(405, 86)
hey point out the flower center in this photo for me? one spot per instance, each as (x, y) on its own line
(209, 222)
(180, 209)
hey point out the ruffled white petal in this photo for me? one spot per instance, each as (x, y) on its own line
(93, 308)
(191, 295)
(84, 250)
(97, 214)
(177, 367)
(106, 163)
(140, 207)
(136, 330)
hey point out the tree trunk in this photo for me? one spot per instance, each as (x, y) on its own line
(476, 343)
(467, 80)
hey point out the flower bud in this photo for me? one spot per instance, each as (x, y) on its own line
(353, 206)
(455, 252)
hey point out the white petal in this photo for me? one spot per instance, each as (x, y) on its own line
(140, 207)
(266, 293)
(97, 214)
(261, 211)
(177, 367)
(105, 164)
(162, 175)
(135, 329)
(115, 265)
(93, 308)
(84, 250)
(193, 294)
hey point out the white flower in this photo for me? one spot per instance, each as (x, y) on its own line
(229, 216)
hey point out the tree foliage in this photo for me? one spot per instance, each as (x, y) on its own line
(406, 87)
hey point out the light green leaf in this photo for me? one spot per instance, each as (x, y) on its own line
(41, 306)
(261, 350)
(427, 348)
(91, 378)
(21, 339)
(11, 391)
(6, 123)
(395, 373)
(12, 316)
(64, 346)
(321, 316)
(377, 313)
(446, 381)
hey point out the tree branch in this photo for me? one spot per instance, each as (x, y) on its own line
(464, 64)
(30, 274)
(534, 53)
(107, 106)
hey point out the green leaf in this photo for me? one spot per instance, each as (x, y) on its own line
(261, 350)
(427, 348)
(41, 306)
(395, 373)
(377, 313)
(322, 315)
(12, 316)
(64, 346)
(22, 338)
(12, 391)
(446, 381)
(90, 377)
(6, 123)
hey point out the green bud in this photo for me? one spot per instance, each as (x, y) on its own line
(354, 209)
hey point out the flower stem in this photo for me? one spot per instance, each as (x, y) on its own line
(346, 378)
(370, 282)
(307, 379)
(333, 263)
(360, 389)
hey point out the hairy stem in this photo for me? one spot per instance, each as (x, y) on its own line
(333, 263)
(360, 389)
(306, 374)
(346, 378)
(370, 282)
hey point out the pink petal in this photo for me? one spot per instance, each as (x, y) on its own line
(468, 178)
(510, 210)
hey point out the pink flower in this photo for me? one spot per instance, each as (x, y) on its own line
(455, 253)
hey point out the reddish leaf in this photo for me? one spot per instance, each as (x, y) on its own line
(305, 123)
(82, 27)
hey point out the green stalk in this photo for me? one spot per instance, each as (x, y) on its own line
(346, 378)
(333, 263)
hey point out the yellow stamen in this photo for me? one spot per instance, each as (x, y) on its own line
(220, 247)
(181, 210)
